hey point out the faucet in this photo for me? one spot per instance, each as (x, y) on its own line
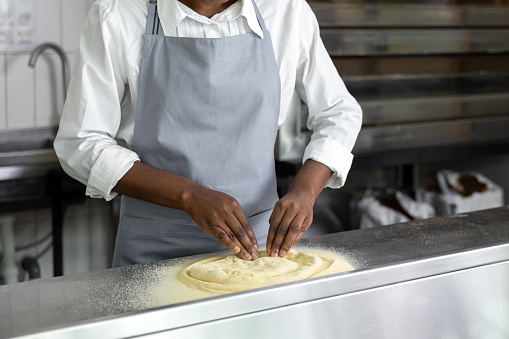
(63, 57)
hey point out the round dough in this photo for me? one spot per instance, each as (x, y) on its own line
(229, 273)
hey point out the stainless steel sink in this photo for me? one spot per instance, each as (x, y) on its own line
(27, 153)
(26, 161)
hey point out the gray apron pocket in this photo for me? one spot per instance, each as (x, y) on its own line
(144, 240)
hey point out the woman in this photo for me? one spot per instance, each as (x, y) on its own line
(176, 104)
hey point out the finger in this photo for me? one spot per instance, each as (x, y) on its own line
(243, 238)
(241, 217)
(225, 239)
(243, 253)
(228, 238)
(274, 221)
(292, 234)
(303, 229)
(280, 235)
(270, 237)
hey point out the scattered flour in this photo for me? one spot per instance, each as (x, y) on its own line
(166, 282)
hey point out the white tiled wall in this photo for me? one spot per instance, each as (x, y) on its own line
(48, 100)
(73, 15)
(47, 20)
(3, 80)
(32, 98)
(20, 93)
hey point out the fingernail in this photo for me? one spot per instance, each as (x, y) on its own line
(254, 255)
(248, 257)
(275, 253)
(256, 246)
(282, 254)
(236, 249)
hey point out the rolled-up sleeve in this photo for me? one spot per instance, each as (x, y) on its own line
(85, 143)
(335, 117)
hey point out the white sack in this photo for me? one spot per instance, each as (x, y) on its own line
(373, 213)
(449, 201)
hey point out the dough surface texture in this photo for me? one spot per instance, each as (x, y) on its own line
(229, 273)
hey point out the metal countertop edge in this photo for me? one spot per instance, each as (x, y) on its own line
(175, 316)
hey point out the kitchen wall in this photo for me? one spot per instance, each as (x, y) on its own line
(33, 98)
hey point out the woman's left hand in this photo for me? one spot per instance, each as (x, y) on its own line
(293, 214)
(291, 218)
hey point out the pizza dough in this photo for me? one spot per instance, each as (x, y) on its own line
(229, 273)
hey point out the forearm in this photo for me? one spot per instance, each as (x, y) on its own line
(215, 212)
(311, 179)
(155, 185)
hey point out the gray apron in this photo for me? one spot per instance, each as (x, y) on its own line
(207, 110)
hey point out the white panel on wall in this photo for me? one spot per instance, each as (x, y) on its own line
(47, 21)
(72, 59)
(74, 13)
(46, 264)
(3, 103)
(20, 92)
(101, 234)
(49, 94)
(43, 229)
(24, 231)
(76, 240)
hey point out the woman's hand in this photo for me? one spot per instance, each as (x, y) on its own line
(291, 218)
(293, 214)
(222, 216)
(216, 213)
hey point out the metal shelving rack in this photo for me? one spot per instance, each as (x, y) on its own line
(432, 79)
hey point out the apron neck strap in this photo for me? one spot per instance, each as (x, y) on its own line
(153, 23)
(258, 15)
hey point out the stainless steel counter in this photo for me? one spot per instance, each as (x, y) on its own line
(442, 277)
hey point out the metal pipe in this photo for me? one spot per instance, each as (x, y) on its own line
(32, 267)
(63, 57)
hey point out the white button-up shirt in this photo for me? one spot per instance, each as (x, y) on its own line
(97, 124)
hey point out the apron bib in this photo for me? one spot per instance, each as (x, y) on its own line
(207, 110)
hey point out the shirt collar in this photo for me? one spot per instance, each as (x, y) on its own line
(171, 14)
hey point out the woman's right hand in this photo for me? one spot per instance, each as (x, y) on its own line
(216, 213)
(222, 216)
